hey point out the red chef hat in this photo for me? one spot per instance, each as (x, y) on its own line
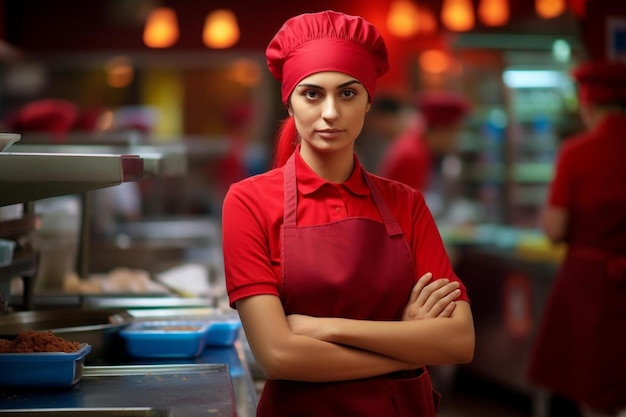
(326, 41)
(441, 108)
(601, 81)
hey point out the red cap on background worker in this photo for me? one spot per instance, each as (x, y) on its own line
(601, 81)
(601, 88)
(442, 108)
(54, 116)
(411, 157)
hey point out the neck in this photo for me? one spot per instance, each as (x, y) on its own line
(334, 167)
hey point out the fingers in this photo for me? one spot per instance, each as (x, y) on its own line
(433, 299)
(443, 296)
(419, 286)
(436, 290)
(447, 311)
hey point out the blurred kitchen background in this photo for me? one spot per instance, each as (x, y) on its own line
(182, 85)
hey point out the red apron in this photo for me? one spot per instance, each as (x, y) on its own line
(580, 347)
(354, 268)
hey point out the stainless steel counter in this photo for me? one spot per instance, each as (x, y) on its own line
(115, 380)
(171, 390)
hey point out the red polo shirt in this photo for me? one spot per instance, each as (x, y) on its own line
(408, 160)
(590, 183)
(590, 167)
(253, 214)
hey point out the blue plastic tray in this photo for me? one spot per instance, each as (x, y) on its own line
(165, 339)
(223, 333)
(42, 369)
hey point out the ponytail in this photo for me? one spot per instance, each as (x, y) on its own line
(286, 142)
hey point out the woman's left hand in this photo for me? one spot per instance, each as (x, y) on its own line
(431, 299)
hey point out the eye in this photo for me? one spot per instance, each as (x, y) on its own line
(311, 94)
(349, 93)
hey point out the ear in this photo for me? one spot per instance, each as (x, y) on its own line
(290, 111)
(369, 106)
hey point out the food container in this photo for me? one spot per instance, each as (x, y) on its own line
(42, 369)
(165, 339)
(99, 329)
(223, 332)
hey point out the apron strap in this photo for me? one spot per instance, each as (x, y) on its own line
(291, 192)
(391, 224)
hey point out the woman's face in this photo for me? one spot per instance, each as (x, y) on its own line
(329, 111)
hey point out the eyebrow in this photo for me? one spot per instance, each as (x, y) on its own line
(340, 85)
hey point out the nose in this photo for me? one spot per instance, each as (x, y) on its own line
(330, 110)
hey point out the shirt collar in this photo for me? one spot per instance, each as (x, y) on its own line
(309, 181)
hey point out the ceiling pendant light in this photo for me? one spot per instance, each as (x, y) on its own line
(549, 9)
(161, 29)
(457, 15)
(402, 18)
(221, 29)
(494, 12)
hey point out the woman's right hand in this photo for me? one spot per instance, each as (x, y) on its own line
(431, 299)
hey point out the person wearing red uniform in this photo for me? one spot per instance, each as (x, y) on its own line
(340, 277)
(580, 345)
(416, 153)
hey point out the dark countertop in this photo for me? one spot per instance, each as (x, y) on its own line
(218, 380)
(174, 390)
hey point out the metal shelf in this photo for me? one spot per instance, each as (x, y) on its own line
(33, 176)
(158, 160)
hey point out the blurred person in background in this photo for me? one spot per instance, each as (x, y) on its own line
(339, 277)
(580, 345)
(387, 117)
(418, 154)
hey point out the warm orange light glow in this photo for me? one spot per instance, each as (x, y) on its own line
(246, 72)
(457, 15)
(434, 61)
(402, 19)
(494, 12)
(221, 29)
(119, 72)
(548, 9)
(161, 30)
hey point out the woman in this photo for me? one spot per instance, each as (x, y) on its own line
(579, 351)
(330, 267)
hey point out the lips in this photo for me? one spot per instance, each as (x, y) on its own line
(329, 133)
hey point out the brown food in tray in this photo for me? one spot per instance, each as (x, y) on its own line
(31, 341)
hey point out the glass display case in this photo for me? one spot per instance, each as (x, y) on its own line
(525, 104)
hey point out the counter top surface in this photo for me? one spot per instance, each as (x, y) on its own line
(181, 389)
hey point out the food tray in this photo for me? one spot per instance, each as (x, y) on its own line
(42, 369)
(165, 339)
(223, 333)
